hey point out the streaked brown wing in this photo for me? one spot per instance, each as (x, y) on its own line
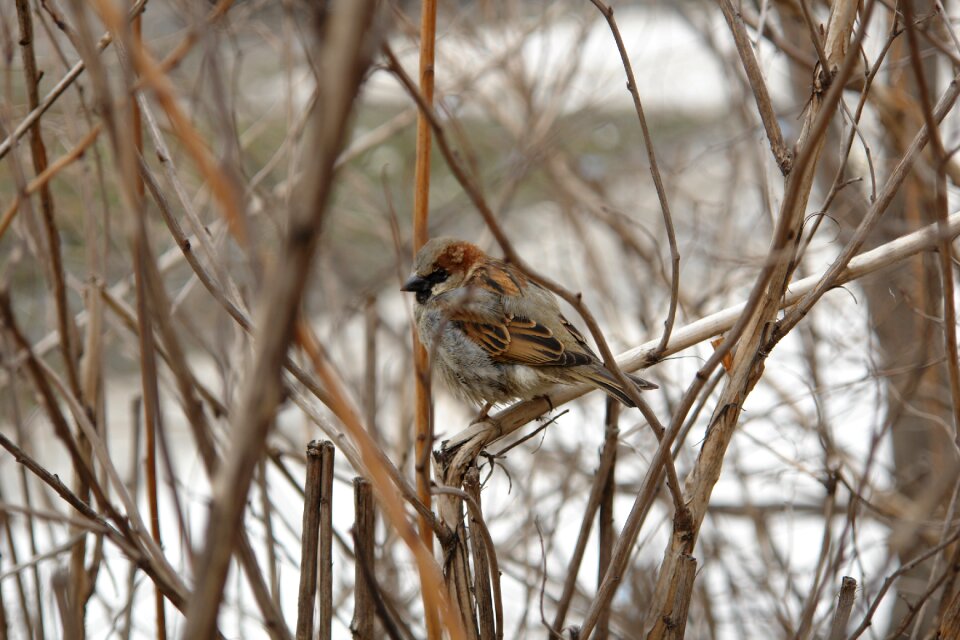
(520, 341)
(514, 339)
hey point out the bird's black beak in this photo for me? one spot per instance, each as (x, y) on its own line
(416, 284)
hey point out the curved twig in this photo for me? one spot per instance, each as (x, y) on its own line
(607, 12)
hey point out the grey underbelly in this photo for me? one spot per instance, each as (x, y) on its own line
(467, 370)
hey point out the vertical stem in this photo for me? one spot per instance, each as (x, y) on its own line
(14, 560)
(481, 565)
(421, 207)
(4, 625)
(848, 591)
(267, 510)
(309, 542)
(80, 589)
(371, 322)
(135, 115)
(605, 531)
(148, 357)
(457, 571)
(35, 550)
(59, 585)
(326, 540)
(586, 524)
(15, 418)
(673, 627)
(134, 488)
(151, 401)
(421, 195)
(38, 152)
(364, 612)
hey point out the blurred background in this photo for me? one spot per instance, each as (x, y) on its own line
(844, 460)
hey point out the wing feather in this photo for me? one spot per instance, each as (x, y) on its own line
(515, 339)
(518, 340)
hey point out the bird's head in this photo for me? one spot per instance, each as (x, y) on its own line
(441, 264)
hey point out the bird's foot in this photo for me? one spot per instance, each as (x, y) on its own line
(549, 402)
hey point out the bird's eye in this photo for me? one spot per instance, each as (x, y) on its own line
(438, 276)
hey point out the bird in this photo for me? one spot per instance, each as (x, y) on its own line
(493, 334)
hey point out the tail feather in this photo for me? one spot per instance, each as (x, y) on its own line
(645, 385)
(605, 380)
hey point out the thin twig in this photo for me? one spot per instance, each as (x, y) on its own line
(270, 540)
(150, 387)
(815, 34)
(607, 12)
(52, 552)
(760, 92)
(606, 535)
(175, 593)
(890, 579)
(39, 155)
(54, 94)
(602, 475)
(842, 262)
(40, 181)
(15, 559)
(371, 323)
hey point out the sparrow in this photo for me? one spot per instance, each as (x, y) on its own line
(495, 335)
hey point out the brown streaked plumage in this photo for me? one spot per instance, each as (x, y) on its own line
(495, 335)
